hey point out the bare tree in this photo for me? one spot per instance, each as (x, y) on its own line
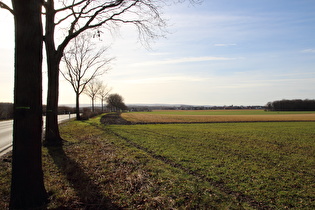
(77, 16)
(83, 64)
(27, 185)
(103, 93)
(92, 89)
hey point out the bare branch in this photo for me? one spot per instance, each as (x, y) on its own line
(82, 63)
(63, 19)
(87, 14)
(104, 92)
(92, 89)
(71, 6)
(4, 6)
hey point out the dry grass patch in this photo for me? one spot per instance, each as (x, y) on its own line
(170, 118)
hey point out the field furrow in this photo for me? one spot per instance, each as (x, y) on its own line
(238, 196)
(267, 164)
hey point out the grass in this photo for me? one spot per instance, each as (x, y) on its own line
(178, 166)
(5, 178)
(269, 163)
(95, 169)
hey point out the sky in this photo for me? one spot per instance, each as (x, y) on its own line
(221, 52)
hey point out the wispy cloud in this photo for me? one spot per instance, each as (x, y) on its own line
(184, 60)
(165, 79)
(159, 53)
(224, 45)
(308, 51)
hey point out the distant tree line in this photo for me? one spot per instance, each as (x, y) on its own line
(61, 110)
(139, 108)
(291, 105)
(6, 111)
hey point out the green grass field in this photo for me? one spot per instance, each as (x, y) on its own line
(261, 165)
(269, 163)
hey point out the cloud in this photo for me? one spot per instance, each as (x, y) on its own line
(165, 79)
(308, 51)
(224, 45)
(160, 53)
(184, 60)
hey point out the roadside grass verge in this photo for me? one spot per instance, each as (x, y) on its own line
(5, 180)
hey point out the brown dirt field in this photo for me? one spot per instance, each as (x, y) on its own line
(154, 118)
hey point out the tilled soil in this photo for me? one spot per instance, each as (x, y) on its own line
(114, 119)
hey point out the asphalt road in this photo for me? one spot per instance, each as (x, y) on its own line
(6, 132)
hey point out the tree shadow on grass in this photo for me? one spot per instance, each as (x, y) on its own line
(89, 193)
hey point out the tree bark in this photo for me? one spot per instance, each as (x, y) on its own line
(93, 110)
(77, 106)
(52, 135)
(27, 185)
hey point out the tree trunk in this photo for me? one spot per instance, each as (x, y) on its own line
(52, 135)
(27, 185)
(93, 104)
(77, 106)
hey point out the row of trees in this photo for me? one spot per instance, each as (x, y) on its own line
(82, 66)
(76, 17)
(96, 89)
(70, 19)
(114, 102)
(291, 105)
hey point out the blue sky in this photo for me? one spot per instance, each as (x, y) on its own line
(222, 52)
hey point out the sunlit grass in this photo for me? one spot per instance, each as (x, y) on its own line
(95, 169)
(271, 162)
(178, 166)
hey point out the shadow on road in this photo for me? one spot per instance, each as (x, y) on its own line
(89, 193)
